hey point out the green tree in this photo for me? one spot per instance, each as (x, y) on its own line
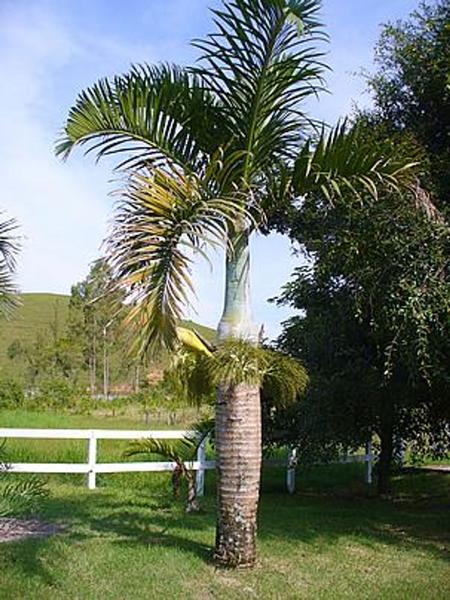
(94, 326)
(210, 152)
(411, 87)
(376, 329)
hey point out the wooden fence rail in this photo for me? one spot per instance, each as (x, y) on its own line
(91, 468)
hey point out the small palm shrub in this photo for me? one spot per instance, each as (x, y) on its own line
(180, 452)
(18, 498)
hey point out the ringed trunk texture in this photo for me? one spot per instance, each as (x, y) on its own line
(238, 424)
(238, 464)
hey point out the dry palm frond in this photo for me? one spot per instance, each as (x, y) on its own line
(164, 219)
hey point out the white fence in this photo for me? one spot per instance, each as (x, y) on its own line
(92, 467)
(366, 458)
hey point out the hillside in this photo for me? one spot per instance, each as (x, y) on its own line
(37, 314)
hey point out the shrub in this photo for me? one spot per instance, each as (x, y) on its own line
(11, 394)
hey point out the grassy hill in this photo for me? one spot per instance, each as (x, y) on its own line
(36, 314)
(39, 313)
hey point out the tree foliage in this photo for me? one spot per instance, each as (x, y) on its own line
(411, 87)
(375, 328)
(230, 135)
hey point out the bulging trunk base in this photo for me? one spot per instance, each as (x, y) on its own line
(238, 452)
(236, 539)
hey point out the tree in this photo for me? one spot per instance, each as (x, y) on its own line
(375, 332)
(94, 326)
(411, 87)
(180, 452)
(210, 151)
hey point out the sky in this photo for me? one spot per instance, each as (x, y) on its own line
(51, 49)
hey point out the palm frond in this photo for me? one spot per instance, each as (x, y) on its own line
(236, 361)
(344, 161)
(9, 248)
(153, 114)
(176, 451)
(195, 376)
(164, 219)
(261, 64)
(284, 378)
(195, 342)
(19, 497)
(188, 377)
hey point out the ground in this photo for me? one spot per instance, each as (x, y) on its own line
(332, 539)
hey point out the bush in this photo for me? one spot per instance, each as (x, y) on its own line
(57, 394)
(11, 394)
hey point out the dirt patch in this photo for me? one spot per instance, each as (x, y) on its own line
(14, 530)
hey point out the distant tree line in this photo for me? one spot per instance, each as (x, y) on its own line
(84, 355)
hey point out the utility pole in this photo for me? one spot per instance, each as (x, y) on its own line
(106, 361)
(105, 366)
(136, 378)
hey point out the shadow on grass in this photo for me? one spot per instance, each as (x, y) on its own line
(320, 521)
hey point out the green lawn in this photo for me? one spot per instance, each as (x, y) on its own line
(333, 539)
(134, 542)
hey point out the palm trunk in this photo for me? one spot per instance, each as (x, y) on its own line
(238, 428)
(192, 504)
(236, 319)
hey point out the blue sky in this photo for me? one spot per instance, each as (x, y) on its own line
(51, 49)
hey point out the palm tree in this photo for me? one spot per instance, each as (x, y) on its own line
(181, 453)
(8, 251)
(209, 152)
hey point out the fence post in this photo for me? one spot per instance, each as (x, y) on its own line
(398, 453)
(200, 475)
(290, 474)
(92, 459)
(368, 462)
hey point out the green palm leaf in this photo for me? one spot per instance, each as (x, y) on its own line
(152, 114)
(8, 250)
(174, 450)
(345, 161)
(261, 63)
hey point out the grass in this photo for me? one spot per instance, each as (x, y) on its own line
(333, 539)
(133, 542)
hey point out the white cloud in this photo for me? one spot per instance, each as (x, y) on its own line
(59, 209)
